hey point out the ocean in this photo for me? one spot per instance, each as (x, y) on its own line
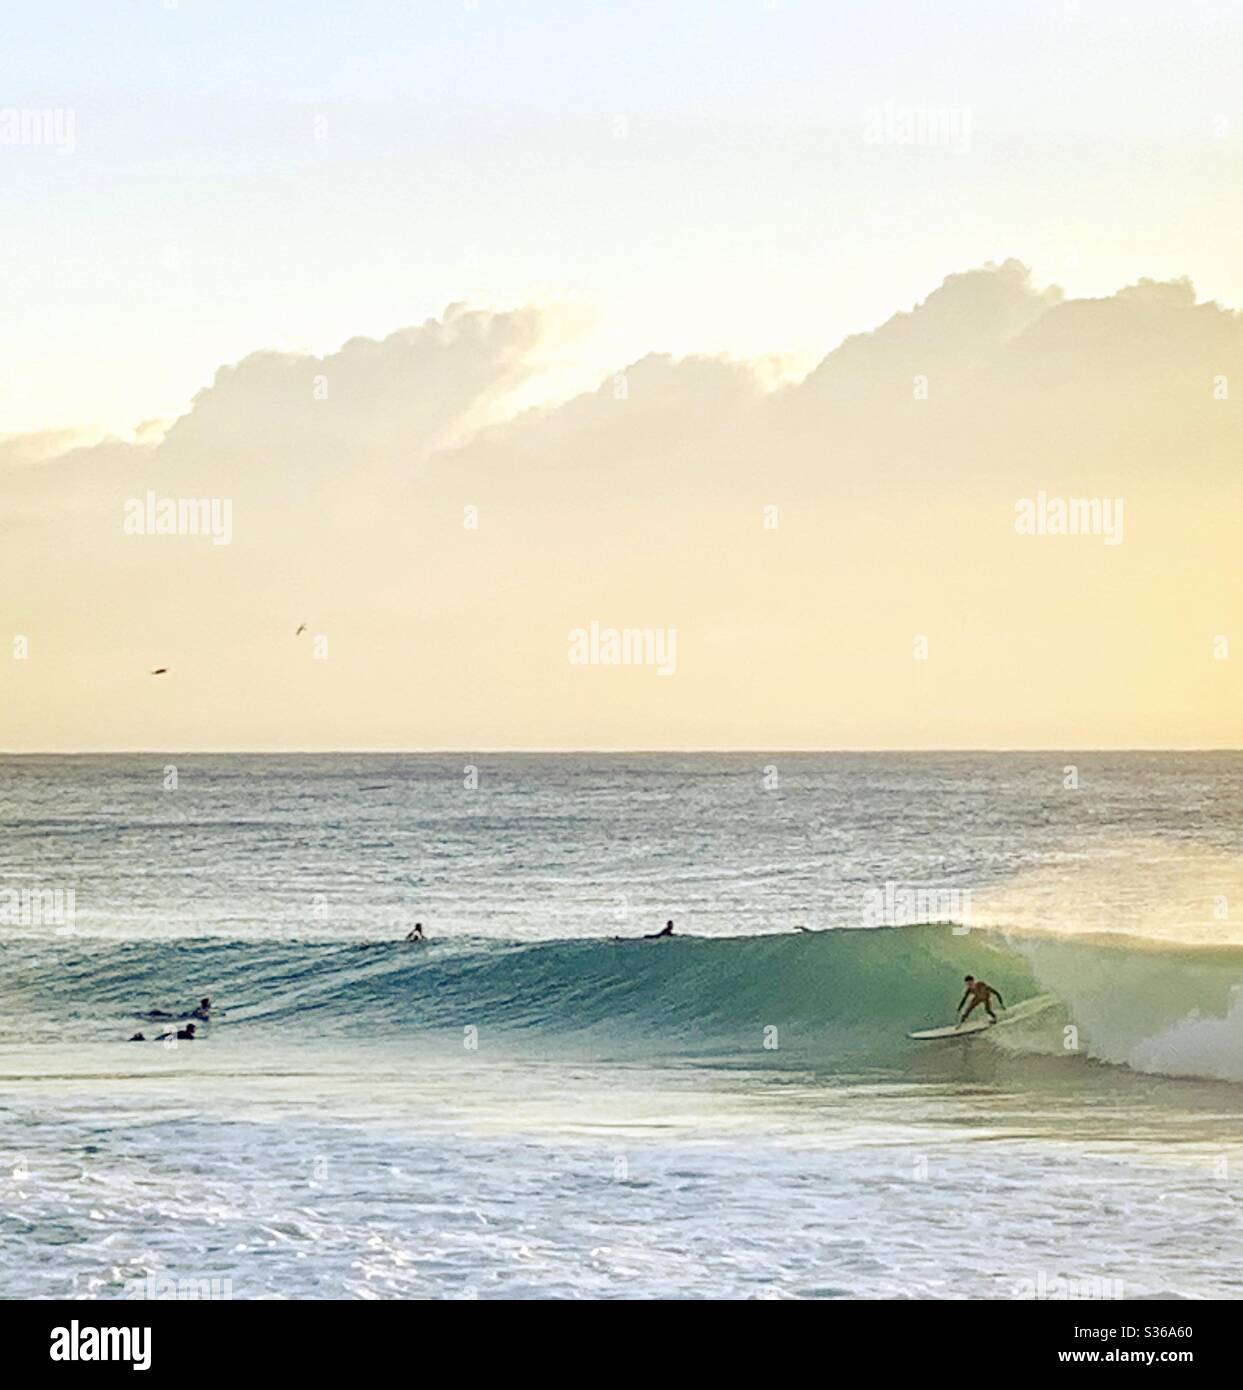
(536, 1104)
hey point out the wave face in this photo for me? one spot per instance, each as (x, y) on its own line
(834, 999)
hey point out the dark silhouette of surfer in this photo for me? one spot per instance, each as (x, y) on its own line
(417, 933)
(185, 1034)
(201, 1011)
(667, 930)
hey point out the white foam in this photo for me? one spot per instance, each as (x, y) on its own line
(1197, 1046)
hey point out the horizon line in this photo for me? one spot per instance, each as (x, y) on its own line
(558, 751)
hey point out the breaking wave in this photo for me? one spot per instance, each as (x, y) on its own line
(830, 998)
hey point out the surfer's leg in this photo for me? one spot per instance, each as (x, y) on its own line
(991, 1014)
(967, 1015)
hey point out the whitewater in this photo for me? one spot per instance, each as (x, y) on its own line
(535, 1103)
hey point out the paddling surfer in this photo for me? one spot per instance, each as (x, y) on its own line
(666, 931)
(979, 993)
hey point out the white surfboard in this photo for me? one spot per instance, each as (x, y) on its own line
(1028, 1008)
(963, 1030)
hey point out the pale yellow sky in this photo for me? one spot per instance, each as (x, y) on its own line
(1006, 519)
(236, 259)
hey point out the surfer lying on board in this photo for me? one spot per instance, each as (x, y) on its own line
(667, 930)
(202, 1012)
(979, 993)
(187, 1034)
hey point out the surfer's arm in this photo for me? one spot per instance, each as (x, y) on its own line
(999, 999)
(962, 1001)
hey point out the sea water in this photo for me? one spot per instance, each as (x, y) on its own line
(535, 1104)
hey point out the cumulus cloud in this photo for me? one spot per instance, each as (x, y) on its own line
(808, 542)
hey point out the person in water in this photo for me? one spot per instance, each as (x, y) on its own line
(651, 936)
(979, 993)
(201, 1012)
(417, 933)
(185, 1034)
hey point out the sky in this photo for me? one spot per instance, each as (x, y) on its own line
(652, 287)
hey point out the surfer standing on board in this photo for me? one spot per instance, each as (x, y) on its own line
(979, 993)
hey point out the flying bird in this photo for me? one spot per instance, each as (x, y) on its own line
(160, 671)
(300, 630)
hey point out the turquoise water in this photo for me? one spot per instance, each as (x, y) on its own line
(527, 1107)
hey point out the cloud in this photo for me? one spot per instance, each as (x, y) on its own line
(402, 394)
(801, 538)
